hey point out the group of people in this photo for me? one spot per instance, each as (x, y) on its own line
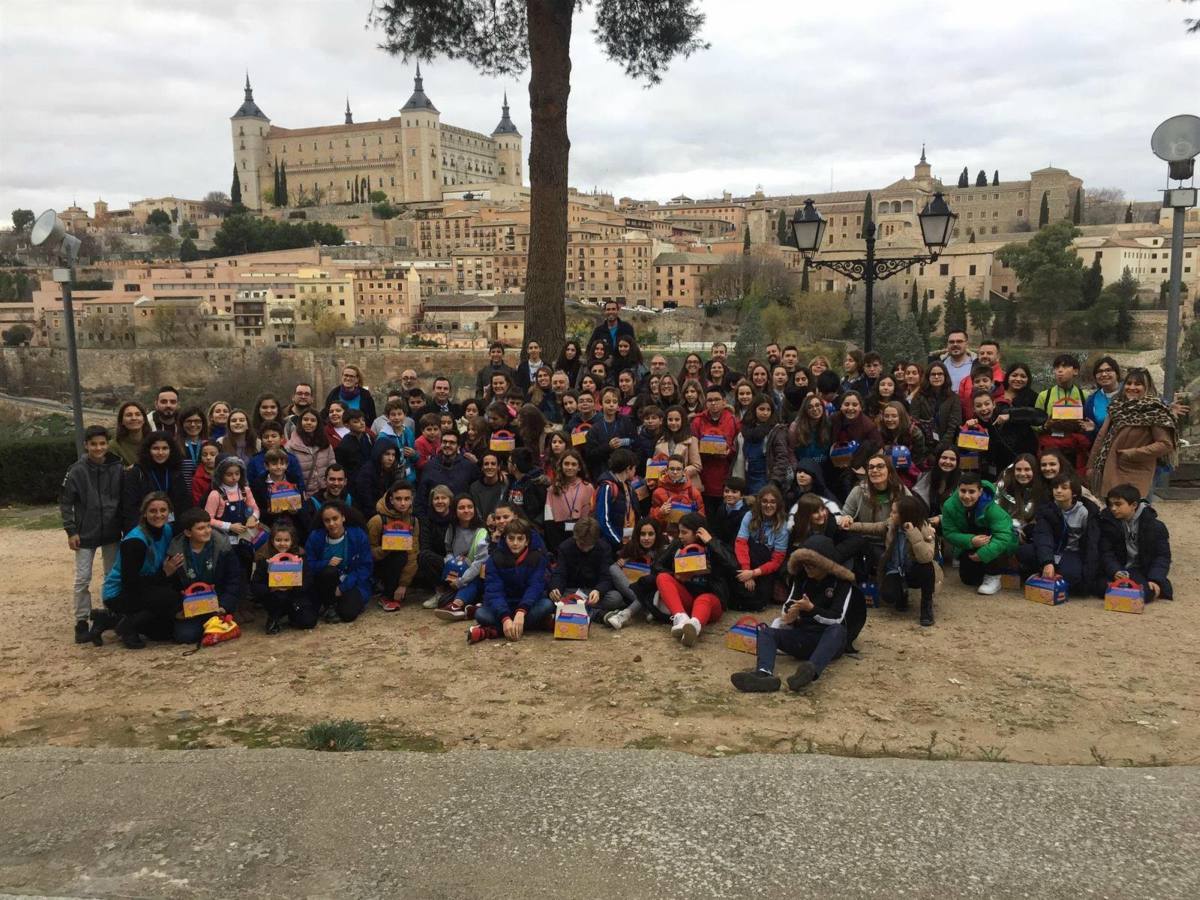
(642, 493)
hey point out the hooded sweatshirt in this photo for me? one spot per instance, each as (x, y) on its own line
(90, 503)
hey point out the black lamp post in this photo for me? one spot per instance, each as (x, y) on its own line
(937, 223)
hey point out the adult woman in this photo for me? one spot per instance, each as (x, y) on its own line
(760, 378)
(939, 483)
(193, 431)
(885, 391)
(1137, 433)
(761, 549)
(818, 365)
(909, 548)
(311, 447)
(568, 361)
(240, 439)
(628, 358)
(1015, 494)
(335, 423)
(914, 374)
(432, 556)
(1106, 373)
(766, 456)
(267, 409)
(138, 594)
(901, 439)
(668, 391)
(870, 503)
(692, 368)
(338, 555)
(678, 440)
(937, 404)
(158, 470)
(132, 430)
(352, 394)
(568, 499)
(810, 434)
(1018, 386)
(692, 392)
(218, 419)
(717, 374)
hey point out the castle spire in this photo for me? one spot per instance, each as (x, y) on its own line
(249, 109)
(922, 151)
(349, 115)
(506, 125)
(418, 100)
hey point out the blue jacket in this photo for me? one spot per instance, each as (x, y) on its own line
(156, 553)
(257, 467)
(1049, 537)
(1095, 408)
(457, 476)
(613, 500)
(509, 585)
(356, 567)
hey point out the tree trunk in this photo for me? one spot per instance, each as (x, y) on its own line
(549, 23)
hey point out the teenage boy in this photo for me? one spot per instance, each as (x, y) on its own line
(90, 506)
(397, 432)
(1066, 539)
(717, 423)
(448, 467)
(821, 618)
(610, 431)
(1070, 435)
(526, 488)
(616, 507)
(1134, 543)
(726, 521)
(355, 447)
(271, 437)
(584, 561)
(979, 530)
(1010, 430)
(648, 435)
(872, 369)
(982, 379)
(496, 365)
(201, 554)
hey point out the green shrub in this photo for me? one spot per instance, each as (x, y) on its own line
(32, 468)
(336, 736)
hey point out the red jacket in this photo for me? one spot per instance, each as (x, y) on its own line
(966, 388)
(667, 491)
(715, 469)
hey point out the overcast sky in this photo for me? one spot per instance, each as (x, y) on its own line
(126, 99)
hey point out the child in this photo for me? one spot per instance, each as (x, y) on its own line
(719, 425)
(468, 587)
(90, 506)
(761, 549)
(648, 436)
(1010, 431)
(274, 477)
(202, 478)
(514, 594)
(198, 554)
(674, 489)
(910, 547)
(1015, 492)
(398, 432)
(694, 601)
(726, 522)
(1066, 539)
(295, 604)
(1070, 436)
(355, 447)
(1134, 543)
(338, 558)
(271, 437)
(583, 565)
(979, 531)
(585, 411)
(610, 431)
(430, 441)
(233, 509)
(637, 595)
(616, 506)
(821, 619)
(568, 500)
(395, 569)
(527, 486)
(982, 379)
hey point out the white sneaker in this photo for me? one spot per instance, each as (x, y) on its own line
(991, 585)
(691, 631)
(677, 622)
(617, 619)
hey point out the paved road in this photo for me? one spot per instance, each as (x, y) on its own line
(582, 824)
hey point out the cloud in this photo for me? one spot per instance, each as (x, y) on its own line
(131, 99)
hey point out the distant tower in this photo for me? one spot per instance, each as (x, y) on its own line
(420, 166)
(508, 148)
(923, 172)
(349, 115)
(250, 126)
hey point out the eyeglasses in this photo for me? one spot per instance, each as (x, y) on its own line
(877, 466)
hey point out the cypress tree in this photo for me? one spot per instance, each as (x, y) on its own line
(781, 229)
(868, 215)
(913, 303)
(1044, 213)
(964, 179)
(995, 178)
(746, 242)
(235, 189)
(971, 236)
(1129, 214)
(1077, 214)
(282, 197)
(981, 179)
(1093, 283)
(275, 185)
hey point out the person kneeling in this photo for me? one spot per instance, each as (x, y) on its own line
(1134, 543)
(200, 554)
(822, 616)
(514, 592)
(980, 531)
(338, 556)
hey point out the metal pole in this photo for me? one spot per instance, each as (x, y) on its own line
(1168, 392)
(73, 360)
(869, 281)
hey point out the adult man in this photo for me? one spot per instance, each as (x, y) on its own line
(989, 355)
(496, 365)
(441, 402)
(773, 355)
(90, 506)
(979, 530)
(658, 365)
(716, 429)
(446, 467)
(408, 380)
(302, 398)
(527, 371)
(560, 383)
(721, 352)
(790, 358)
(611, 327)
(337, 487)
(166, 411)
(958, 359)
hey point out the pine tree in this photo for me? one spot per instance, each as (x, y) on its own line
(1129, 214)
(981, 179)
(781, 229)
(996, 178)
(1077, 214)
(964, 179)
(1124, 323)
(1044, 212)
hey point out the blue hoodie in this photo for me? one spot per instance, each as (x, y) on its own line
(510, 585)
(355, 568)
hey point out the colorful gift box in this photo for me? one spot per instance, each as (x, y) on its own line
(200, 599)
(840, 454)
(1050, 591)
(973, 439)
(968, 461)
(1125, 595)
(640, 489)
(285, 498)
(396, 536)
(502, 442)
(655, 469)
(579, 434)
(743, 636)
(870, 592)
(691, 560)
(1067, 410)
(285, 570)
(713, 445)
(677, 509)
(258, 537)
(571, 619)
(901, 458)
(634, 571)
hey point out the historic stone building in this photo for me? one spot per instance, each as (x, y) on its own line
(410, 157)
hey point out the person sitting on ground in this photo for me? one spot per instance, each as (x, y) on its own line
(694, 600)
(514, 594)
(1015, 492)
(674, 492)
(466, 544)
(979, 531)
(910, 546)
(761, 549)
(1134, 543)
(820, 621)
(394, 569)
(1066, 539)
(139, 598)
(338, 557)
(293, 604)
(583, 566)
(628, 598)
(199, 554)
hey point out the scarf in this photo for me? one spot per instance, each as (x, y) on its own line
(1149, 412)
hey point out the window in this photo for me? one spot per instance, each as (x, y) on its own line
(971, 270)
(944, 269)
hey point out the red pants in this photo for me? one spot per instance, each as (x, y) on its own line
(677, 599)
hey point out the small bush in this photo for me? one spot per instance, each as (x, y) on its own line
(32, 468)
(336, 737)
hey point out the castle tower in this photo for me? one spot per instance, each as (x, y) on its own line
(923, 172)
(508, 148)
(349, 115)
(250, 126)
(421, 140)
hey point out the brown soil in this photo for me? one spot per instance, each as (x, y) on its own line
(996, 678)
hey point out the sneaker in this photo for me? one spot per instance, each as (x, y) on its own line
(451, 613)
(806, 672)
(388, 604)
(991, 585)
(617, 619)
(691, 631)
(755, 681)
(128, 633)
(677, 622)
(330, 616)
(477, 633)
(273, 625)
(431, 602)
(83, 631)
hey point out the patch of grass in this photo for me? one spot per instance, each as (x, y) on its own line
(384, 738)
(992, 754)
(1100, 758)
(649, 742)
(337, 736)
(30, 518)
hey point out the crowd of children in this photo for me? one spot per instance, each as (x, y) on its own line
(641, 493)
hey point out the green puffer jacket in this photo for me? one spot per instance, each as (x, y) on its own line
(989, 515)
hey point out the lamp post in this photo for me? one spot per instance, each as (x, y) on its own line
(48, 229)
(808, 230)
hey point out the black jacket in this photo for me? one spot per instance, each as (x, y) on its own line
(90, 502)
(1154, 548)
(722, 565)
(138, 483)
(601, 333)
(528, 494)
(354, 452)
(365, 402)
(1049, 533)
(586, 571)
(724, 524)
(457, 476)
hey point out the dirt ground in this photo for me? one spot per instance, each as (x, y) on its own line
(998, 678)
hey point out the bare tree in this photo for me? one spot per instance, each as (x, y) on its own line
(1103, 206)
